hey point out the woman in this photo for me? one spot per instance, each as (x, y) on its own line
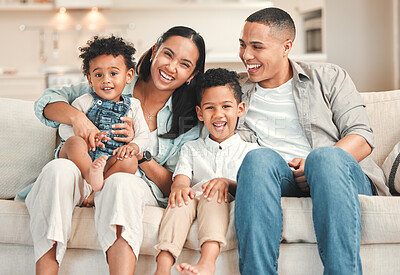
(165, 87)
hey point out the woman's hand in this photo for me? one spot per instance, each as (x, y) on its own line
(125, 129)
(126, 151)
(180, 195)
(220, 185)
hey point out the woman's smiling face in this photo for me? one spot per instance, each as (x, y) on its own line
(173, 63)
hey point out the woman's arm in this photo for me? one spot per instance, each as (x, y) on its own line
(157, 174)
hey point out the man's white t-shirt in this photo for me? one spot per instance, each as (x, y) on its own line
(273, 116)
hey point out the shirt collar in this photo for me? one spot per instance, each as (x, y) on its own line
(211, 144)
(298, 72)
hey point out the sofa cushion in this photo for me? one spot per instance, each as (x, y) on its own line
(26, 146)
(383, 109)
(391, 168)
(380, 223)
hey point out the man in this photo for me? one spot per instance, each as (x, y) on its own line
(313, 125)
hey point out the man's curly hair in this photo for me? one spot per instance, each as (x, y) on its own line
(219, 77)
(107, 45)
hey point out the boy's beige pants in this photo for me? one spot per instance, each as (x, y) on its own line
(212, 219)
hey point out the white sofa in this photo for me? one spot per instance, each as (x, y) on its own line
(26, 146)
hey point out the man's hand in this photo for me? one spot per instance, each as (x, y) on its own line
(220, 185)
(180, 195)
(298, 173)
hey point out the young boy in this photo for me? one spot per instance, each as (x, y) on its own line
(205, 173)
(108, 65)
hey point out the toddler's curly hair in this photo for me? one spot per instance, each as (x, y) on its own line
(107, 45)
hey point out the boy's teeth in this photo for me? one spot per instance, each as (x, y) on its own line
(165, 76)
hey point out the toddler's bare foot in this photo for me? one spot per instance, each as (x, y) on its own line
(95, 175)
(89, 201)
(197, 269)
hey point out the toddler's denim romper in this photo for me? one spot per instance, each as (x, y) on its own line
(104, 113)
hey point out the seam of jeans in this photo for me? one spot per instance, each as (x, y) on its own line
(352, 185)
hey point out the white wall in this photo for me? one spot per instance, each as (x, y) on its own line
(220, 28)
(359, 37)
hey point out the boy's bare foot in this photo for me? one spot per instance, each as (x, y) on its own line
(95, 175)
(197, 269)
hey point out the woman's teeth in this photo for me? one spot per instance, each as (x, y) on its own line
(164, 75)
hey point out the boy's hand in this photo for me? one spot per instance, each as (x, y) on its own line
(126, 151)
(180, 195)
(298, 173)
(218, 184)
(126, 129)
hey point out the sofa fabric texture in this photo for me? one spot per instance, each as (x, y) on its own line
(27, 146)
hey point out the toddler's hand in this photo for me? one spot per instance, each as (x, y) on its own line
(98, 139)
(126, 151)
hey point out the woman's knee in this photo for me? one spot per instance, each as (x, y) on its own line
(124, 184)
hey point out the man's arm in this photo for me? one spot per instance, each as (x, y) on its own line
(356, 146)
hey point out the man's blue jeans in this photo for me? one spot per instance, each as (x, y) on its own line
(335, 179)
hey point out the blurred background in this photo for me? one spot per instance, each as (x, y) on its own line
(40, 38)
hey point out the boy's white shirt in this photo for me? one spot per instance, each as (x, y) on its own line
(204, 159)
(140, 128)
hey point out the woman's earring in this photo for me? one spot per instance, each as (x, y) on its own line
(188, 82)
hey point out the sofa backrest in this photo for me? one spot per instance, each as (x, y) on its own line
(26, 145)
(383, 109)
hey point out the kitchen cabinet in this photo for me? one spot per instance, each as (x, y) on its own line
(27, 86)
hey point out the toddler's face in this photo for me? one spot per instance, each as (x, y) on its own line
(219, 110)
(108, 76)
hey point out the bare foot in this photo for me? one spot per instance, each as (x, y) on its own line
(95, 175)
(89, 201)
(197, 269)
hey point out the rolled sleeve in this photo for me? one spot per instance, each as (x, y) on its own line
(348, 108)
(65, 94)
(185, 163)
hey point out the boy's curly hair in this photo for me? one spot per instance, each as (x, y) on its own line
(219, 77)
(107, 45)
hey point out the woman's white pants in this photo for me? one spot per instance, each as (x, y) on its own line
(60, 187)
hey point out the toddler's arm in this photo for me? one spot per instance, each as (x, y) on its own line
(181, 191)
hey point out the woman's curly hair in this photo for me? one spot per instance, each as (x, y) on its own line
(107, 45)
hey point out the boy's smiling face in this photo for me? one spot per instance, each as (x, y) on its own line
(219, 111)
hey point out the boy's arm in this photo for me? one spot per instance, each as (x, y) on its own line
(180, 191)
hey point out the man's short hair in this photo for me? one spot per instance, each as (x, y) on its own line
(277, 19)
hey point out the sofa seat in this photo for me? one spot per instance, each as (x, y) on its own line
(380, 224)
